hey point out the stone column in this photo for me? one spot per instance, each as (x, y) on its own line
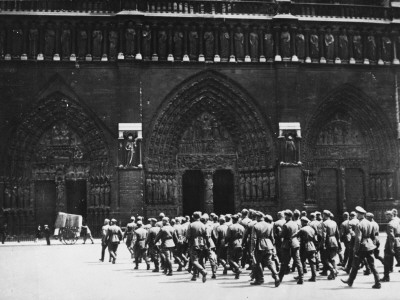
(154, 56)
(246, 44)
(208, 192)
(394, 36)
(57, 48)
(217, 58)
(278, 57)
(292, 32)
(336, 57)
(232, 57)
(378, 40)
(261, 43)
(138, 55)
(185, 43)
(169, 43)
(307, 45)
(364, 35)
(351, 51)
(201, 47)
(322, 59)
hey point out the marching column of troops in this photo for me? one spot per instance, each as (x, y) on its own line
(252, 238)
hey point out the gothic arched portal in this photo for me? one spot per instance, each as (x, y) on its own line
(207, 123)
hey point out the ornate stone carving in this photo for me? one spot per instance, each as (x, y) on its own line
(130, 34)
(162, 43)
(193, 43)
(343, 45)
(239, 43)
(224, 40)
(49, 41)
(112, 41)
(16, 40)
(82, 41)
(33, 38)
(97, 41)
(269, 44)
(254, 44)
(314, 44)
(178, 43)
(300, 44)
(371, 46)
(209, 43)
(285, 42)
(65, 41)
(329, 42)
(146, 41)
(357, 45)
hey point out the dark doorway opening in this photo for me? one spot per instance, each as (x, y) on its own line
(354, 188)
(76, 197)
(193, 191)
(223, 192)
(45, 202)
(328, 190)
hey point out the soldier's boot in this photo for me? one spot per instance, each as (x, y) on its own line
(148, 266)
(277, 264)
(137, 264)
(385, 278)
(300, 280)
(214, 271)
(169, 270)
(204, 273)
(277, 280)
(313, 272)
(194, 277)
(156, 266)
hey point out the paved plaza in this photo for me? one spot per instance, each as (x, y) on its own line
(38, 271)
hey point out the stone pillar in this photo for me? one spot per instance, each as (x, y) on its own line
(232, 57)
(154, 56)
(246, 44)
(394, 36)
(170, 56)
(217, 57)
(138, 55)
(322, 59)
(277, 43)
(364, 35)
(351, 47)
(292, 31)
(261, 43)
(201, 47)
(307, 45)
(185, 57)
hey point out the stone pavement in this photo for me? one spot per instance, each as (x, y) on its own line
(38, 271)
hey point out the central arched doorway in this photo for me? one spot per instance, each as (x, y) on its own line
(208, 125)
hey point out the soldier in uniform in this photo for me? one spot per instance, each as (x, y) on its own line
(330, 243)
(114, 237)
(140, 245)
(370, 217)
(196, 235)
(234, 237)
(153, 250)
(307, 235)
(352, 227)
(104, 245)
(209, 250)
(160, 218)
(166, 235)
(245, 220)
(290, 247)
(247, 236)
(130, 235)
(222, 250)
(261, 249)
(278, 224)
(397, 219)
(180, 240)
(363, 248)
(345, 237)
(392, 246)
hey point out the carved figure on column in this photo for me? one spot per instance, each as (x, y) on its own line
(193, 43)
(314, 44)
(60, 193)
(285, 42)
(178, 43)
(107, 194)
(16, 40)
(33, 41)
(175, 188)
(265, 183)
(329, 42)
(102, 194)
(209, 43)
(149, 188)
(97, 41)
(242, 188)
(49, 40)
(163, 188)
(82, 41)
(208, 182)
(162, 43)
(130, 152)
(239, 43)
(259, 186)
(254, 186)
(248, 186)
(65, 41)
(272, 185)
(343, 45)
(269, 44)
(170, 189)
(371, 46)
(130, 35)
(390, 188)
(384, 189)
(224, 39)
(357, 46)
(379, 188)
(386, 48)
(156, 184)
(300, 45)
(146, 42)
(253, 39)
(112, 42)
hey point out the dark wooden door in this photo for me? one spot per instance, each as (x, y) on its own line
(354, 188)
(76, 197)
(192, 191)
(223, 192)
(327, 188)
(45, 202)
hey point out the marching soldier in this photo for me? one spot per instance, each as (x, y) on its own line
(363, 248)
(104, 245)
(166, 235)
(209, 250)
(345, 238)
(180, 240)
(278, 224)
(290, 247)
(245, 220)
(222, 249)
(114, 237)
(153, 250)
(196, 235)
(392, 246)
(130, 235)
(370, 217)
(330, 243)
(234, 238)
(247, 234)
(261, 249)
(140, 245)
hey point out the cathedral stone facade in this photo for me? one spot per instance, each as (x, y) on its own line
(133, 108)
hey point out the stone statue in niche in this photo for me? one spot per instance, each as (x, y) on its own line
(102, 194)
(209, 43)
(175, 189)
(208, 182)
(300, 45)
(253, 186)
(130, 34)
(162, 43)
(130, 151)
(248, 187)
(253, 40)
(272, 185)
(170, 188)
(49, 41)
(265, 183)
(329, 42)
(65, 41)
(343, 45)
(33, 38)
(290, 150)
(16, 40)
(97, 41)
(242, 183)
(163, 188)
(371, 46)
(112, 41)
(269, 44)
(259, 185)
(390, 188)
(384, 189)
(60, 192)
(178, 43)
(239, 43)
(224, 40)
(2, 40)
(386, 48)
(156, 185)
(372, 188)
(146, 42)
(357, 45)
(314, 44)
(193, 43)
(285, 42)
(82, 41)
(379, 188)
(149, 188)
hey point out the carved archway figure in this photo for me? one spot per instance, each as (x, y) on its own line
(207, 123)
(349, 143)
